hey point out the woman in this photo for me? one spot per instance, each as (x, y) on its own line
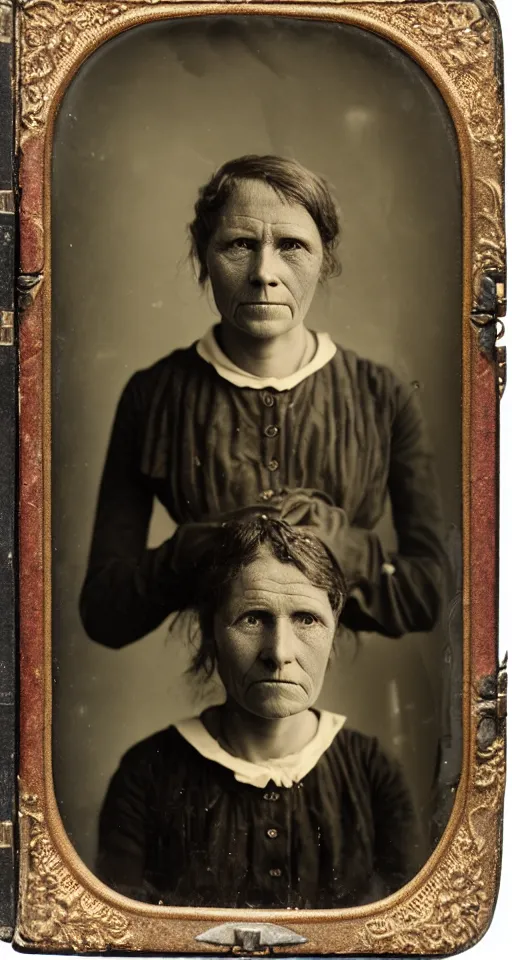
(263, 801)
(258, 408)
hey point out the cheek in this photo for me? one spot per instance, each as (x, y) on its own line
(315, 658)
(226, 278)
(233, 658)
(303, 278)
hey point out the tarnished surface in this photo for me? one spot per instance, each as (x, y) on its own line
(449, 904)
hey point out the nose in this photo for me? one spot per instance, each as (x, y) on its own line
(263, 267)
(278, 647)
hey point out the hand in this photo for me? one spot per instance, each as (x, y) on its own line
(311, 508)
(193, 540)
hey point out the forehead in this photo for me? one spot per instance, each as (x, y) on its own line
(255, 200)
(267, 579)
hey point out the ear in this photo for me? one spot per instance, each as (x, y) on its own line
(211, 643)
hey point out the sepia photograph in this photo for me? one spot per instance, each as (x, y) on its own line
(255, 352)
(256, 464)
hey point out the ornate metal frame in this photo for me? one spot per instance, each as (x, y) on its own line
(449, 904)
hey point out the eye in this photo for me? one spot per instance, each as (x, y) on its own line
(242, 243)
(308, 619)
(253, 618)
(290, 243)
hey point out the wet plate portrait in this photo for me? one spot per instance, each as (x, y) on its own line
(261, 282)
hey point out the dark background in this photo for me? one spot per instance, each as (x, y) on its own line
(145, 122)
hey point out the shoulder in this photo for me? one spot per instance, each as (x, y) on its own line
(363, 750)
(377, 376)
(156, 751)
(145, 386)
(370, 381)
(382, 772)
(147, 378)
(356, 743)
(166, 765)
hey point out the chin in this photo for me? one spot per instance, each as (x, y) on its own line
(278, 713)
(265, 328)
(277, 708)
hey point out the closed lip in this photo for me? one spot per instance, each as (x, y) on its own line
(292, 683)
(263, 303)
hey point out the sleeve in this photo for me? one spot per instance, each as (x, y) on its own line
(401, 593)
(398, 845)
(121, 857)
(129, 589)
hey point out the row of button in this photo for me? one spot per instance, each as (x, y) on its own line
(272, 833)
(271, 430)
(273, 796)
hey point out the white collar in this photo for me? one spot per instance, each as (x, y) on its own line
(209, 350)
(283, 772)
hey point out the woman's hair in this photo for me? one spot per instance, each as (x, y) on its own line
(291, 181)
(236, 545)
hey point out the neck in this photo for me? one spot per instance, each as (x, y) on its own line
(255, 739)
(278, 357)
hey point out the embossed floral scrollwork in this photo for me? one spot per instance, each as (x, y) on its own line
(489, 240)
(50, 30)
(55, 910)
(454, 906)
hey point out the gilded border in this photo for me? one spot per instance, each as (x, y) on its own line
(451, 909)
(449, 904)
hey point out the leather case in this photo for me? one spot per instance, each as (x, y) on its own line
(8, 362)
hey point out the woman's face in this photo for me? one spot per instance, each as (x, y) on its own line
(273, 637)
(264, 261)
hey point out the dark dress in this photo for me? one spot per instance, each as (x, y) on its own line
(204, 447)
(179, 829)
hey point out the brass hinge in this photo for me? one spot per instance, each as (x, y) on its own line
(6, 201)
(28, 285)
(487, 320)
(6, 328)
(251, 937)
(492, 706)
(6, 20)
(501, 366)
(6, 834)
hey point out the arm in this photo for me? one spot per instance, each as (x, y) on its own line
(121, 856)
(389, 593)
(402, 592)
(397, 846)
(128, 589)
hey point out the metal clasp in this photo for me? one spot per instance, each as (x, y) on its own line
(251, 937)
